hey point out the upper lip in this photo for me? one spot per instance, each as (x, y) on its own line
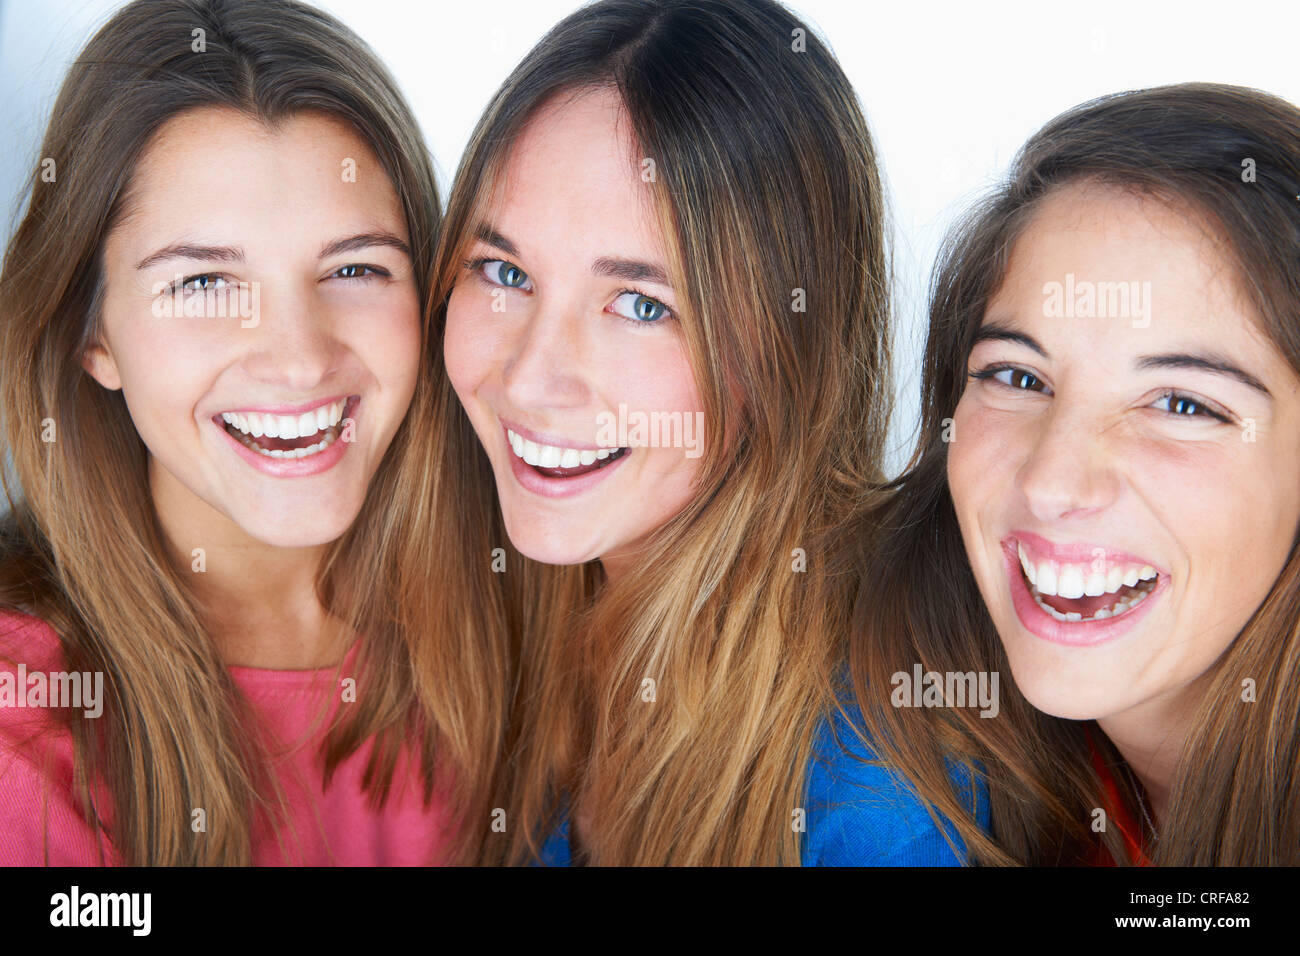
(298, 409)
(541, 438)
(1074, 552)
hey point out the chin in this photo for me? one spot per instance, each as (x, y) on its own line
(549, 551)
(1048, 695)
(298, 531)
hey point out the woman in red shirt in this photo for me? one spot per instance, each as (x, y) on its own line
(1105, 500)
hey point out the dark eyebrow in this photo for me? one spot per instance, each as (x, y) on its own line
(629, 270)
(611, 267)
(486, 233)
(1204, 363)
(185, 250)
(992, 332)
(363, 241)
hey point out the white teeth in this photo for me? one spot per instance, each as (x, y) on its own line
(307, 424)
(259, 424)
(263, 424)
(1046, 583)
(1115, 579)
(1028, 566)
(553, 456)
(1070, 582)
(292, 452)
(1073, 581)
(1127, 603)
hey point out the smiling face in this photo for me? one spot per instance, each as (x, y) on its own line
(1125, 476)
(262, 320)
(562, 335)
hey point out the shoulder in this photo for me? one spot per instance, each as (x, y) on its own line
(38, 813)
(861, 812)
(30, 650)
(25, 639)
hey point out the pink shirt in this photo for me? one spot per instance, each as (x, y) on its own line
(40, 822)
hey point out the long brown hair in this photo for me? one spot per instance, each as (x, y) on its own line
(767, 190)
(1235, 798)
(82, 548)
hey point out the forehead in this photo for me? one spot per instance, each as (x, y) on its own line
(573, 181)
(221, 172)
(1084, 239)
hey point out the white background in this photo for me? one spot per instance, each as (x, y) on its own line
(950, 89)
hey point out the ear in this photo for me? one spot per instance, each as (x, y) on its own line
(98, 361)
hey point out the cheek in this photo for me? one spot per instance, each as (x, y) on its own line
(655, 378)
(978, 450)
(1230, 512)
(468, 354)
(164, 369)
(390, 345)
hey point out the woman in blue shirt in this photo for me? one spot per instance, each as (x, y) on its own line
(663, 292)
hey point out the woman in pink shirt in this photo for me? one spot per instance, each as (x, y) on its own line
(217, 640)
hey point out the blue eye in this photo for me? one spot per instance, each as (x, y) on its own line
(641, 308)
(502, 273)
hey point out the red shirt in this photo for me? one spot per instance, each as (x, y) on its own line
(1117, 814)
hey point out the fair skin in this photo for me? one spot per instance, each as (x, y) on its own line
(219, 199)
(1103, 446)
(563, 313)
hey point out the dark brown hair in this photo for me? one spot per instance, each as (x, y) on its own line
(1235, 799)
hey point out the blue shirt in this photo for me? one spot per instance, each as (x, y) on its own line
(858, 814)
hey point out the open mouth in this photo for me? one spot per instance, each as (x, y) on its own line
(290, 436)
(554, 461)
(1078, 593)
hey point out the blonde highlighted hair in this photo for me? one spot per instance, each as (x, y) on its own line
(767, 189)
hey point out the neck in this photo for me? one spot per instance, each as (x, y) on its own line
(258, 601)
(1150, 738)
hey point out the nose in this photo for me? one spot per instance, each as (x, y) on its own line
(1068, 471)
(292, 343)
(545, 356)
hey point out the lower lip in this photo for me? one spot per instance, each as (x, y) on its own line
(533, 480)
(315, 464)
(1080, 633)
